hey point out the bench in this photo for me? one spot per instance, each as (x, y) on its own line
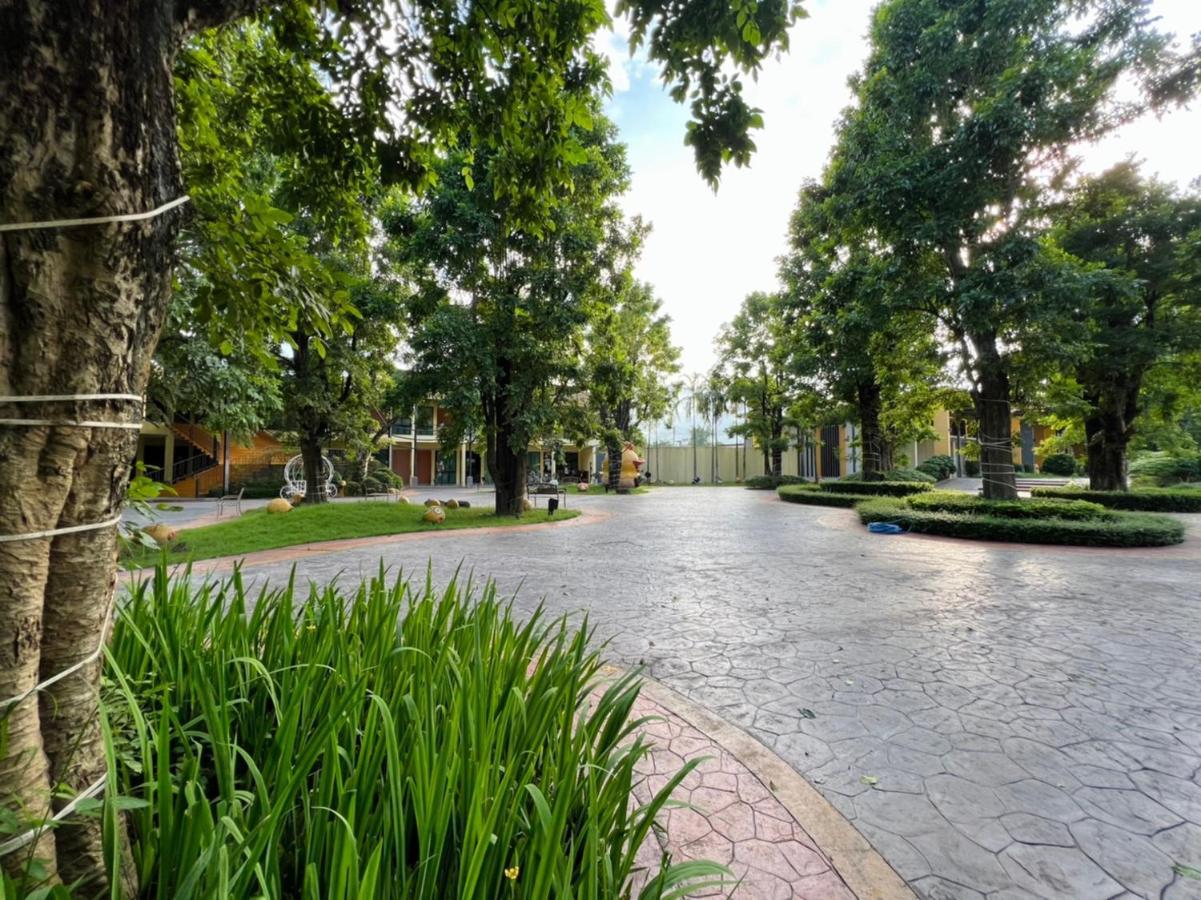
(547, 490)
(1026, 484)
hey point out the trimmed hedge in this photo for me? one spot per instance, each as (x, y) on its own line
(876, 488)
(811, 496)
(1059, 464)
(895, 475)
(771, 482)
(1115, 530)
(1184, 500)
(948, 501)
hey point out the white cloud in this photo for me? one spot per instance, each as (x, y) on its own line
(708, 251)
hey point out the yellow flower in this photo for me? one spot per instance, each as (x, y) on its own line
(512, 873)
(310, 628)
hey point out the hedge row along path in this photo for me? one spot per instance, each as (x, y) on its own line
(996, 720)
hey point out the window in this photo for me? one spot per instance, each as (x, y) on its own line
(425, 420)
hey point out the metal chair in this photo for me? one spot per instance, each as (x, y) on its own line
(235, 499)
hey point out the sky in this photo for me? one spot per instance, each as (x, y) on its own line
(707, 251)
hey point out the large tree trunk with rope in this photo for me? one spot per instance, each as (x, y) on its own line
(876, 458)
(87, 130)
(991, 396)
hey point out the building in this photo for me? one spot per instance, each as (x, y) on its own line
(197, 463)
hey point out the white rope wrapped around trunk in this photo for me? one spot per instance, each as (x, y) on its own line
(98, 220)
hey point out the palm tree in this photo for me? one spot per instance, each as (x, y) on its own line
(694, 382)
(713, 403)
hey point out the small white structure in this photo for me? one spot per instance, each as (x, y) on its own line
(294, 481)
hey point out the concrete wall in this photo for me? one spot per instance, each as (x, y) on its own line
(674, 464)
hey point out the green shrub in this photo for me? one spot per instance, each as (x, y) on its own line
(390, 743)
(971, 468)
(1059, 464)
(1165, 470)
(940, 466)
(910, 475)
(950, 501)
(1183, 500)
(809, 495)
(771, 482)
(876, 488)
(1115, 530)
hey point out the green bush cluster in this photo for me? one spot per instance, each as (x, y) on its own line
(1110, 530)
(938, 467)
(950, 501)
(389, 743)
(971, 468)
(810, 495)
(894, 475)
(1060, 464)
(771, 482)
(1164, 469)
(876, 488)
(1181, 500)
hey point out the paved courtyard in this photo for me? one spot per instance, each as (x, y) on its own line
(997, 721)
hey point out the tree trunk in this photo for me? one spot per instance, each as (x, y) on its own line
(993, 413)
(1107, 432)
(871, 439)
(777, 442)
(613, 463)
(314, 470)
(509, 471)
(87, 129)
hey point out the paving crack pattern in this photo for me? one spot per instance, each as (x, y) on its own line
(998, 721)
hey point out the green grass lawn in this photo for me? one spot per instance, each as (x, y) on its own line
(260, 530)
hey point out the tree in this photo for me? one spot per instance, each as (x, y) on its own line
(754, 366)
(334, 388)
(962, 111)
(498, 323)
(1145, 315)
(88, 130)
(628, 359)
(859, 354)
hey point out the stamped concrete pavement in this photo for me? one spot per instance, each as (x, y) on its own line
(998, 721)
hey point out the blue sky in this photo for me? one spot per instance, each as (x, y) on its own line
(708, 251)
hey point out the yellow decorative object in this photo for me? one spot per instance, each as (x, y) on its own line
(527, 504)
(161, 532)
(452, 503)
(582, 487)
(431, 502)
(279, 505)
(435, 514)
(631, 464)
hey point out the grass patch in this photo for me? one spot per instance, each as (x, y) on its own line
(385, 742)
(259, 530)
(1106, 529)
(1180, 499)
(811, 495)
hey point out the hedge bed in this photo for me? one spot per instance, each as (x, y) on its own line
(876, 488)
(948, 501)
(810, 495)
(1185, 500)
(1107, 529)
(771, 482)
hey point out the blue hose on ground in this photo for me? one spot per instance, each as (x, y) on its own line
(885, 528)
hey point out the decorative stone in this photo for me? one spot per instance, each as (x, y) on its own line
(431, 502)
(401, 498)
(279, 505)
(452, 503)
(464, 504)
(582, 487)
(435, 514)
(527, 504)
(162, 533)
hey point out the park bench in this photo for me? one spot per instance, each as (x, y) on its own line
(547, 489)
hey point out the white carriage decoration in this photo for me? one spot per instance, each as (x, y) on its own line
(295, 485)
